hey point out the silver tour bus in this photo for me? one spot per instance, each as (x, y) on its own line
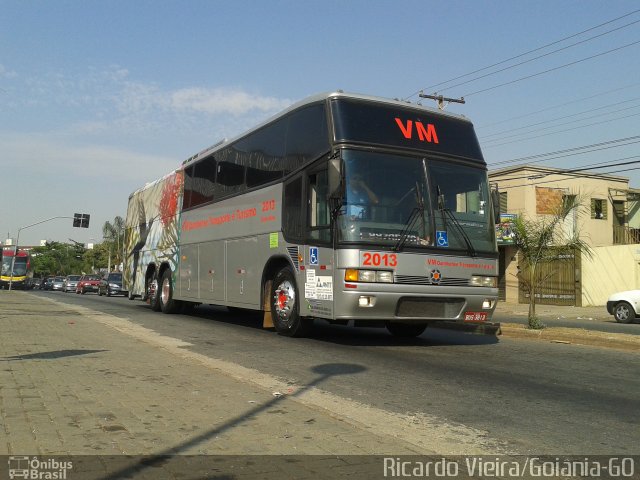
(343, 208)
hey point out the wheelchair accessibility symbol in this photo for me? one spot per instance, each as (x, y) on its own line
(442, 238)
(313, 255)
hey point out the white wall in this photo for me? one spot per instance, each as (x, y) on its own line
(612, 269)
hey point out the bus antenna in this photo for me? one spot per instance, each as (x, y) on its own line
(440, 100)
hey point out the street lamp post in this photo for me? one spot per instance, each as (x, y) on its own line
(83, 221)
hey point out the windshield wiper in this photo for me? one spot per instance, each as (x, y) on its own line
(456, 223)
(418, 210)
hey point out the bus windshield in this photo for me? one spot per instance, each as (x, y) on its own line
(415, 202)
(19, 268)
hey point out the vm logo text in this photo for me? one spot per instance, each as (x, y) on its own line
(425, 134)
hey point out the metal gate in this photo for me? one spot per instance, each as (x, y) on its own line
(562, 285)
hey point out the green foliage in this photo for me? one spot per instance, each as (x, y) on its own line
(57, 258)
(545, 240)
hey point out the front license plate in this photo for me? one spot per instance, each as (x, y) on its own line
(475, 317)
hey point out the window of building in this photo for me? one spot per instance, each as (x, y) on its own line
(598, 209)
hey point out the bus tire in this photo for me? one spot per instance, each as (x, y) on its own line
(165, 294)
(406, 330)
(153, 292)
(285, 306)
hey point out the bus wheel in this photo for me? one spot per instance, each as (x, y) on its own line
(153, 293)
(167, 303)
(285, 311)
(406, 329)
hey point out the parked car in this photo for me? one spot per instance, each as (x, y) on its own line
(624, 306)
(70, 283)
(58, 283)
(36, 282)
(47, 283)
(88, 283)
(111, 284)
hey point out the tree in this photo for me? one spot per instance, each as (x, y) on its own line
(546, 239)
(113, 234)
(55, 258)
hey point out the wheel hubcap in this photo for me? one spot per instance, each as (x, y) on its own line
(284, 300)
(166, 290)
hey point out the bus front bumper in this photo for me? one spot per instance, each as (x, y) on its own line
(463, 307)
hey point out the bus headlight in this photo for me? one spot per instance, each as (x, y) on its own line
(368, 276)
(480, 281)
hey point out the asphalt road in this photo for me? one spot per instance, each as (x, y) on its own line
(534, 397)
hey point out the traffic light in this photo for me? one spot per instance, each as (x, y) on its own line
(81, 220)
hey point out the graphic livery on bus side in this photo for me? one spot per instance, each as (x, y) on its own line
(345, 208)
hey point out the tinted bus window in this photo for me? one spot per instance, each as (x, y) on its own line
(370, 123)
(292, 224)
(266, 154)
(307, 137)
(202, 185)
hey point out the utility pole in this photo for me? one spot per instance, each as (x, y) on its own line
(440, 100)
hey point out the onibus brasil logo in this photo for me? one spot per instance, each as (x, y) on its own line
(38, 469)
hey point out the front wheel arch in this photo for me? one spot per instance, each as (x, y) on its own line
(285, 305)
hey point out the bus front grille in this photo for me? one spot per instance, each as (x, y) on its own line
(421, 280)
(429, 307)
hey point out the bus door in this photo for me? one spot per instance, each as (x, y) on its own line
(318, 275)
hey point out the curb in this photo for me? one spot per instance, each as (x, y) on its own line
(573, 336)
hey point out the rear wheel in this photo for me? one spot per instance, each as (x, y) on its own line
(406, 330)
(285, 308)
(167, 303)
(153, 292)
(624, 313)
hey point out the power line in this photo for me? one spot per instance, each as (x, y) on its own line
(568, 173)
(511, 119)
(575, 151)
(523, 54)
(539, 56)
(547, 122)
(591, 166)
(563, 131)
(515, 135)
(552, 69)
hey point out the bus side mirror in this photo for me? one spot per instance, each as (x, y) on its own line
(495, 204)
(335, 179)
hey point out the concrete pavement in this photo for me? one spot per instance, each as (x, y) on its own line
(80, 383)
(73, 382)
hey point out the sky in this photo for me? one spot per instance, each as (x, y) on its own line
(98, 98)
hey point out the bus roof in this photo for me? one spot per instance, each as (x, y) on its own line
(313, 99)
(322, 97)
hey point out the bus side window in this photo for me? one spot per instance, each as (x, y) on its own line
(319, 218)
(292, 220)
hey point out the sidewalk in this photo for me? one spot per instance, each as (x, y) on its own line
(554, 311)
(78, 382)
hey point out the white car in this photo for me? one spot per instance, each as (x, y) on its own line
(624, 306)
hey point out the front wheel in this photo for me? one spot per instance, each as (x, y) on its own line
(406, 330)
(285, 307)
(624, 313)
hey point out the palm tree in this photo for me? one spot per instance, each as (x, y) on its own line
(545, 240)
(114, 234)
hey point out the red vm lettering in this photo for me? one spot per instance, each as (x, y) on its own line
(427, 134)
